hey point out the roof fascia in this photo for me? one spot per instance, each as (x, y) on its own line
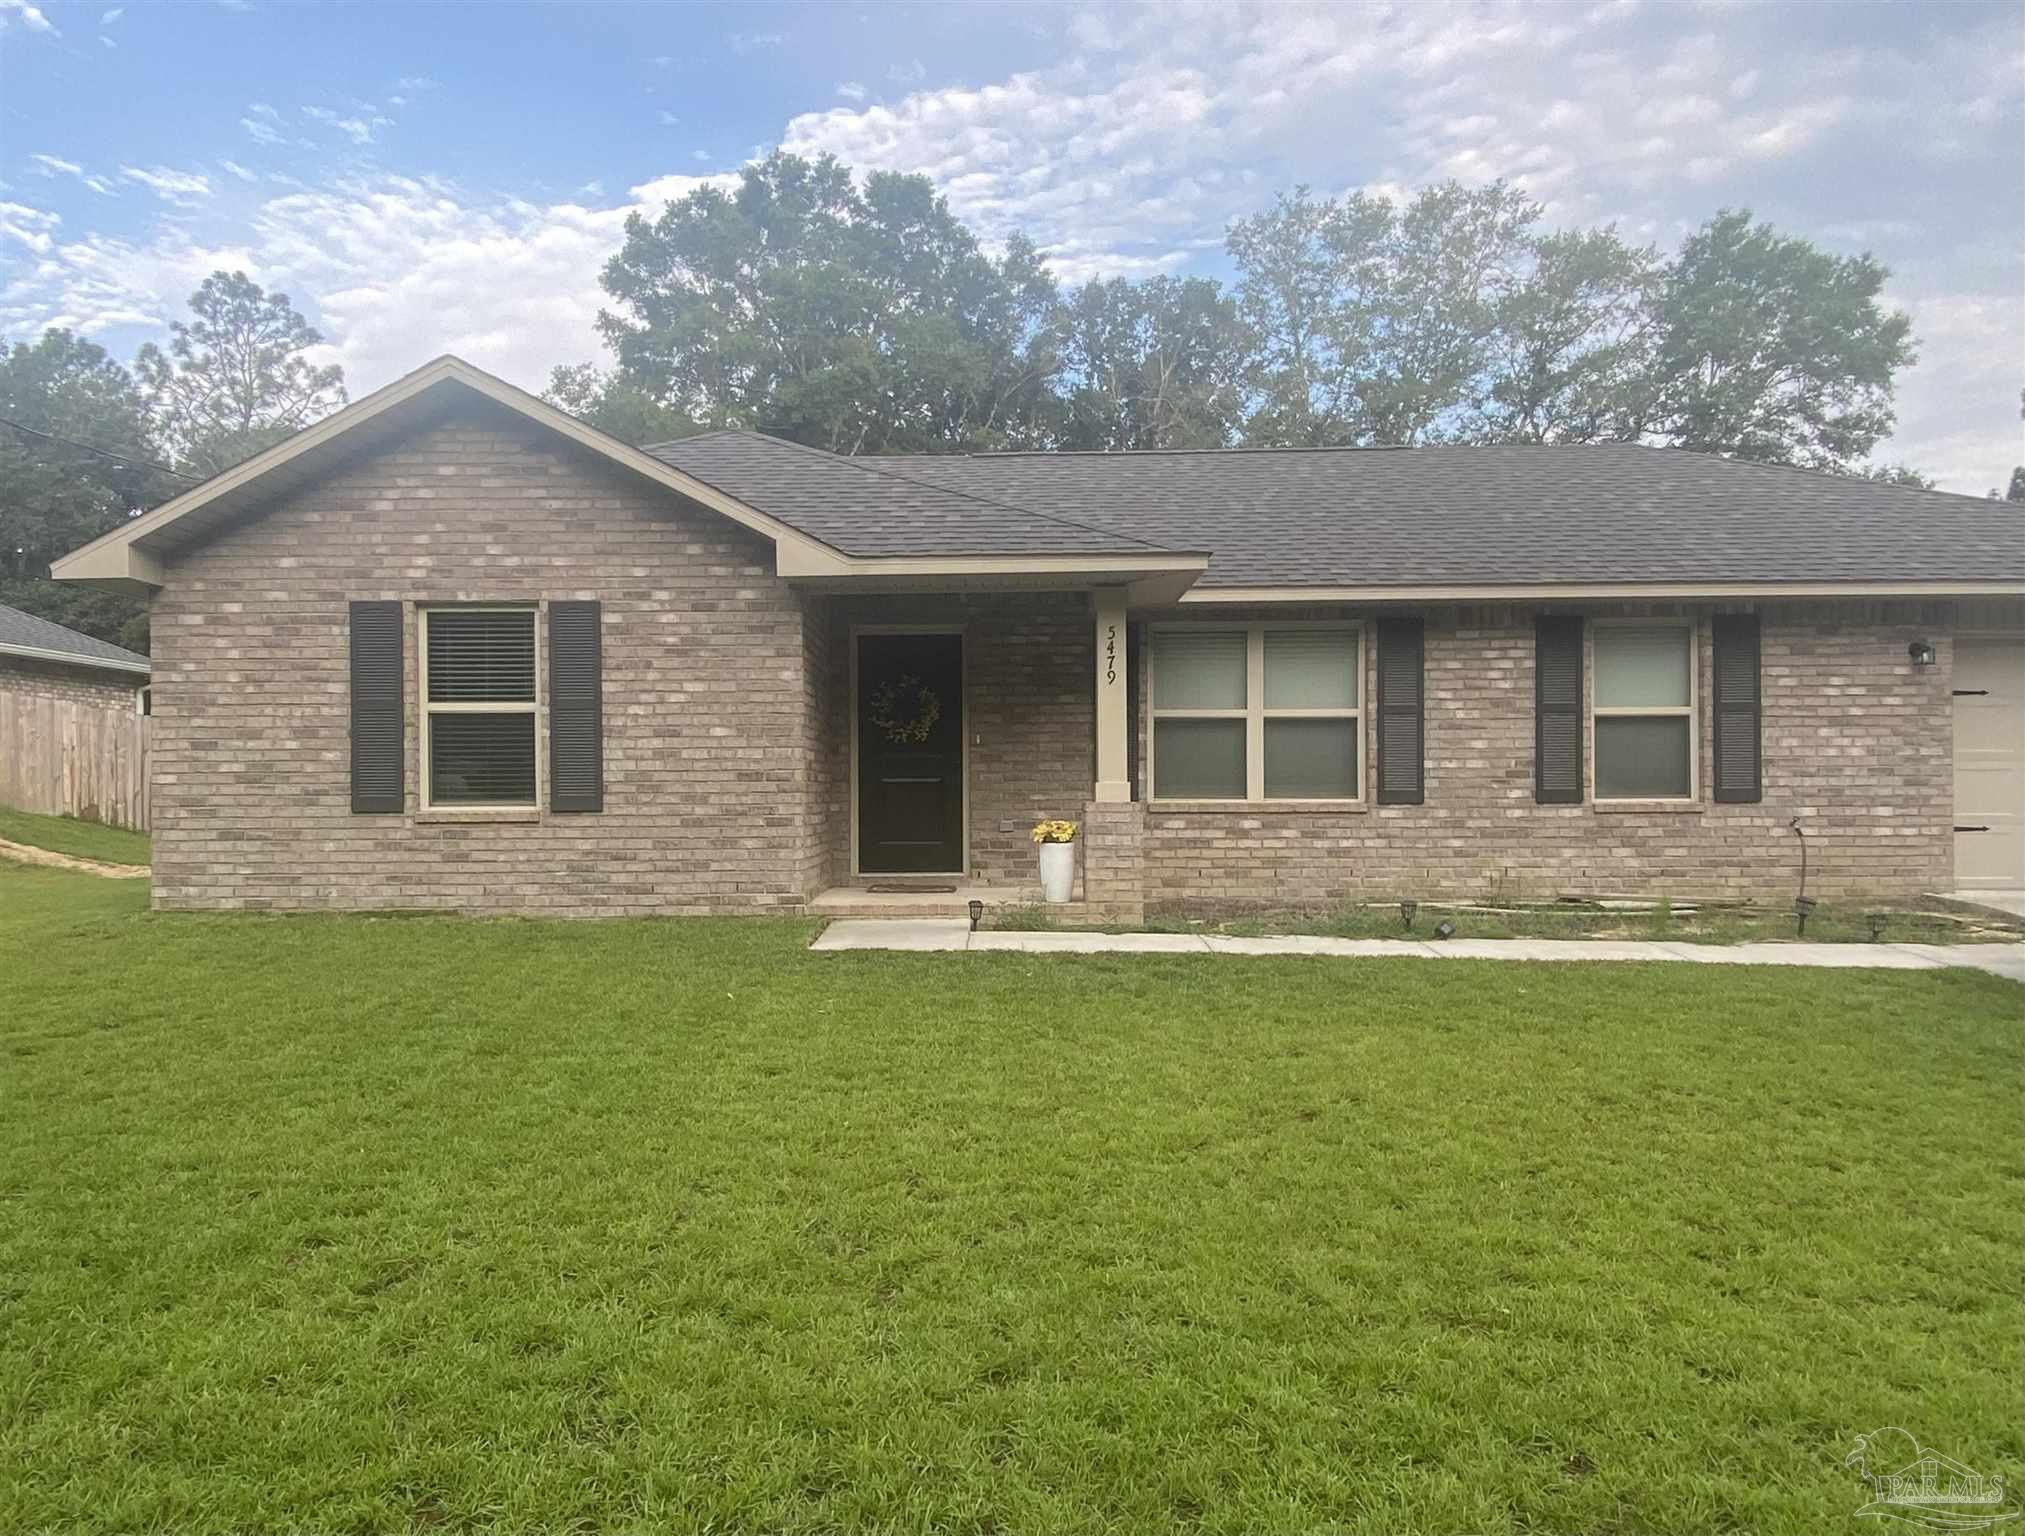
(72, 659)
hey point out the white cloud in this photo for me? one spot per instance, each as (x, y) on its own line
(394, 270)
(108, 42)
(669, 119)
(50, 165)
(112, 15)
(748, 42)
(261, 131)
(238, 170)
(359, 130)
(910, 73)
(32, 227)
(850, 90)
(28, 15)
(171, 186)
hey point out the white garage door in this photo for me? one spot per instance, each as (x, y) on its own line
(1989, 764)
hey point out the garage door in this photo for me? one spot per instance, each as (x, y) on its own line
(1990, 765)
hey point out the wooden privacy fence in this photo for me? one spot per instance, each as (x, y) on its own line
(63, 758)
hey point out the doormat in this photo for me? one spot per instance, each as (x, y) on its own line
(892, 888)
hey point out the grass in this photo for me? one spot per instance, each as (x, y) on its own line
(1829, 924)
(79, 839)
(355, 1224)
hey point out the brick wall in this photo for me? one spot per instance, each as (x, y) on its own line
(83, 685)
(1112, 861)
(1856, 744)
(707, 776)
(1029, 667)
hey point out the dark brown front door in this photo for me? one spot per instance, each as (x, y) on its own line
(910, 754)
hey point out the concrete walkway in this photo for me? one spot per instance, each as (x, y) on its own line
(23, 853)
(954, 933)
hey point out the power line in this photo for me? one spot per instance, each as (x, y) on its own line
(104, 453)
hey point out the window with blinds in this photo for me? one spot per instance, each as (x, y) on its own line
(1268, 712)
(478, 715)
(1643, 711)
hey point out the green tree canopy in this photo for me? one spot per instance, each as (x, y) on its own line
(860, 322)
(1773, 350)
(613, 403)
(58, 496)
(1571, 355)
(1151, 364)
(235, 379)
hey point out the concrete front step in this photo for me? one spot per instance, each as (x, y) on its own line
(848, 901)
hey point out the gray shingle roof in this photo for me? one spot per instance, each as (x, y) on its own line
(25, 632)
(1464, 516)
(878, 507)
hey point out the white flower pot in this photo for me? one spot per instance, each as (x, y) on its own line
(1058, 872)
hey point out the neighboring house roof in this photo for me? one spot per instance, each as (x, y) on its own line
(23, 634)
(1233, 525)
(1508, 514)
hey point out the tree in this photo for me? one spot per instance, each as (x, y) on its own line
(1304, 271)
(1447, 264)
(235, 379)
(1571, 357)
(1375, 324)
(1898, 474)
(1773, 350)
(2017, 490)
(613, 403)
(58, 496)
(1151, 364)
(857, 322)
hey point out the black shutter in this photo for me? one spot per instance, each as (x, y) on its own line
(376, 708)
(1401, 713)
(1739, 711)
(576, 712)
(1557, 710)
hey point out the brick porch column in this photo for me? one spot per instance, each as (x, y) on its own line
(1114, 883)
(1114, 784)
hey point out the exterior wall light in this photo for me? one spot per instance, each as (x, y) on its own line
(976, 913)
(1922, 653)
(1444, 929)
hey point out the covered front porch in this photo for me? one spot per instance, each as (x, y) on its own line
(946, 724)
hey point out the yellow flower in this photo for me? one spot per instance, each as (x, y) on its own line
(1055, 832)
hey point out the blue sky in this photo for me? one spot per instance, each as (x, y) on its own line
(428, 178)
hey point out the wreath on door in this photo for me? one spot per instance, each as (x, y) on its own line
(905, 709)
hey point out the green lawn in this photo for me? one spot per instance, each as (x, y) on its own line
(79, 839)
(349, 1224)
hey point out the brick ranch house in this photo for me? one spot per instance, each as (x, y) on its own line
(450, 648)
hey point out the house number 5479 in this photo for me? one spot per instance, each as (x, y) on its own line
(1110, 653)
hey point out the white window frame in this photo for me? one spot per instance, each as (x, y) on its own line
(1691, 710)
(479, 707)
(1255, 714)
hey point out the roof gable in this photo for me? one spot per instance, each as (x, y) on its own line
(134, 552)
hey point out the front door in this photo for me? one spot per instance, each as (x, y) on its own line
(1989, 765)
(910, 754)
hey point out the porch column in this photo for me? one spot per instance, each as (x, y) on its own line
(1114, 783)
